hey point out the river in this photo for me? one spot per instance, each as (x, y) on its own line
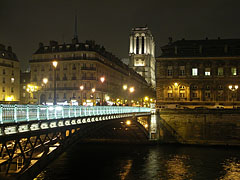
(149, 162)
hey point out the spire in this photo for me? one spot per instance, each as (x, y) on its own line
(75, 37)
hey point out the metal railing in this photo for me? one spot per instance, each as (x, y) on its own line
(20, 113)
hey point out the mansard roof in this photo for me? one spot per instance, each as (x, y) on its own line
(204, 48)
(7, 53)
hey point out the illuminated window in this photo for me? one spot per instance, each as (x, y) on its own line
(12, 80)
(139, 62)
(207, 71)
(194, 71)
(234, 71)
(170, 95)
(220, 71)
(182, 94)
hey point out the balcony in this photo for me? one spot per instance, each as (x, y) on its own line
(88, 68)
(88, 78)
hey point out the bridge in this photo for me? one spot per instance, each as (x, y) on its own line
(33, 135)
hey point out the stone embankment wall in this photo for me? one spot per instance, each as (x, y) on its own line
(200, 126)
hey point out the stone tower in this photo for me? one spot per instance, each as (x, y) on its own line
(141, 53)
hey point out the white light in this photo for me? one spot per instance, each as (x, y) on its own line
(53, 124)
(23, 128)
(10, 130)
(34, 127)
(51, 108)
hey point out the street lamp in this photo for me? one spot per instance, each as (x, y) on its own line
(93, 91)
(124, 88)
(131, 90)
(102, 79)
(55, 63)
(233, 88)
(81, 88)
(45, 81)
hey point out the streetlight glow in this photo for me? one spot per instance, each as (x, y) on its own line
(45, 80)
(131, 89)
(81, 87)
(125, 87)
(102, 79)
(93, 90)
(54, 63)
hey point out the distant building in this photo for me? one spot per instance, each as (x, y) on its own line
(25, 94)
(9, 76)
(142, 53)
(82, 64)
(125, 61)
(199, 72)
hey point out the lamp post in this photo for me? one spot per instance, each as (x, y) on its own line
(233, 88)
(93, 91)
(81, 89)
(131, 90)
(45, 81)
(124, 88)
(102, 79)
(55, 63)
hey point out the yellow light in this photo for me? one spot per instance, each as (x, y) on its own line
(93, 90)
(151, 100)
(146, 125)
(102, 79)
(146, 98)
(236, 86)
(175, 84)
(10, 98)
(128, 122)
(131, 89)
(230, 87)
(45, 80)
(107, 98)
(125, 87)
(55, 63)
(81, 87)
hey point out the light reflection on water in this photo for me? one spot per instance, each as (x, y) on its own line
(231, 169)
(164, 162)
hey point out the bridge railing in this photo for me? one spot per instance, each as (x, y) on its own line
(19, 113)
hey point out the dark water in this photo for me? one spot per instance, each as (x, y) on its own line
(163, 162)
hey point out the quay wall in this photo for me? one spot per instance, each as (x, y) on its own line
(199, 126)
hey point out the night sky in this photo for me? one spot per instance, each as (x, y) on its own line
(25, 23)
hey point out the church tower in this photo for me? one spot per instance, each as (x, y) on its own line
(141, 53)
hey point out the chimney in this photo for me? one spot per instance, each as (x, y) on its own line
(53, 43)
(40, 45)
(170, 40)
(9, 48)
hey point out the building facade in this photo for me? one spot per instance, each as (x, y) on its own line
(142, 53)
(81, 64)
(25, 93)
(199, 73)
(9, 76)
